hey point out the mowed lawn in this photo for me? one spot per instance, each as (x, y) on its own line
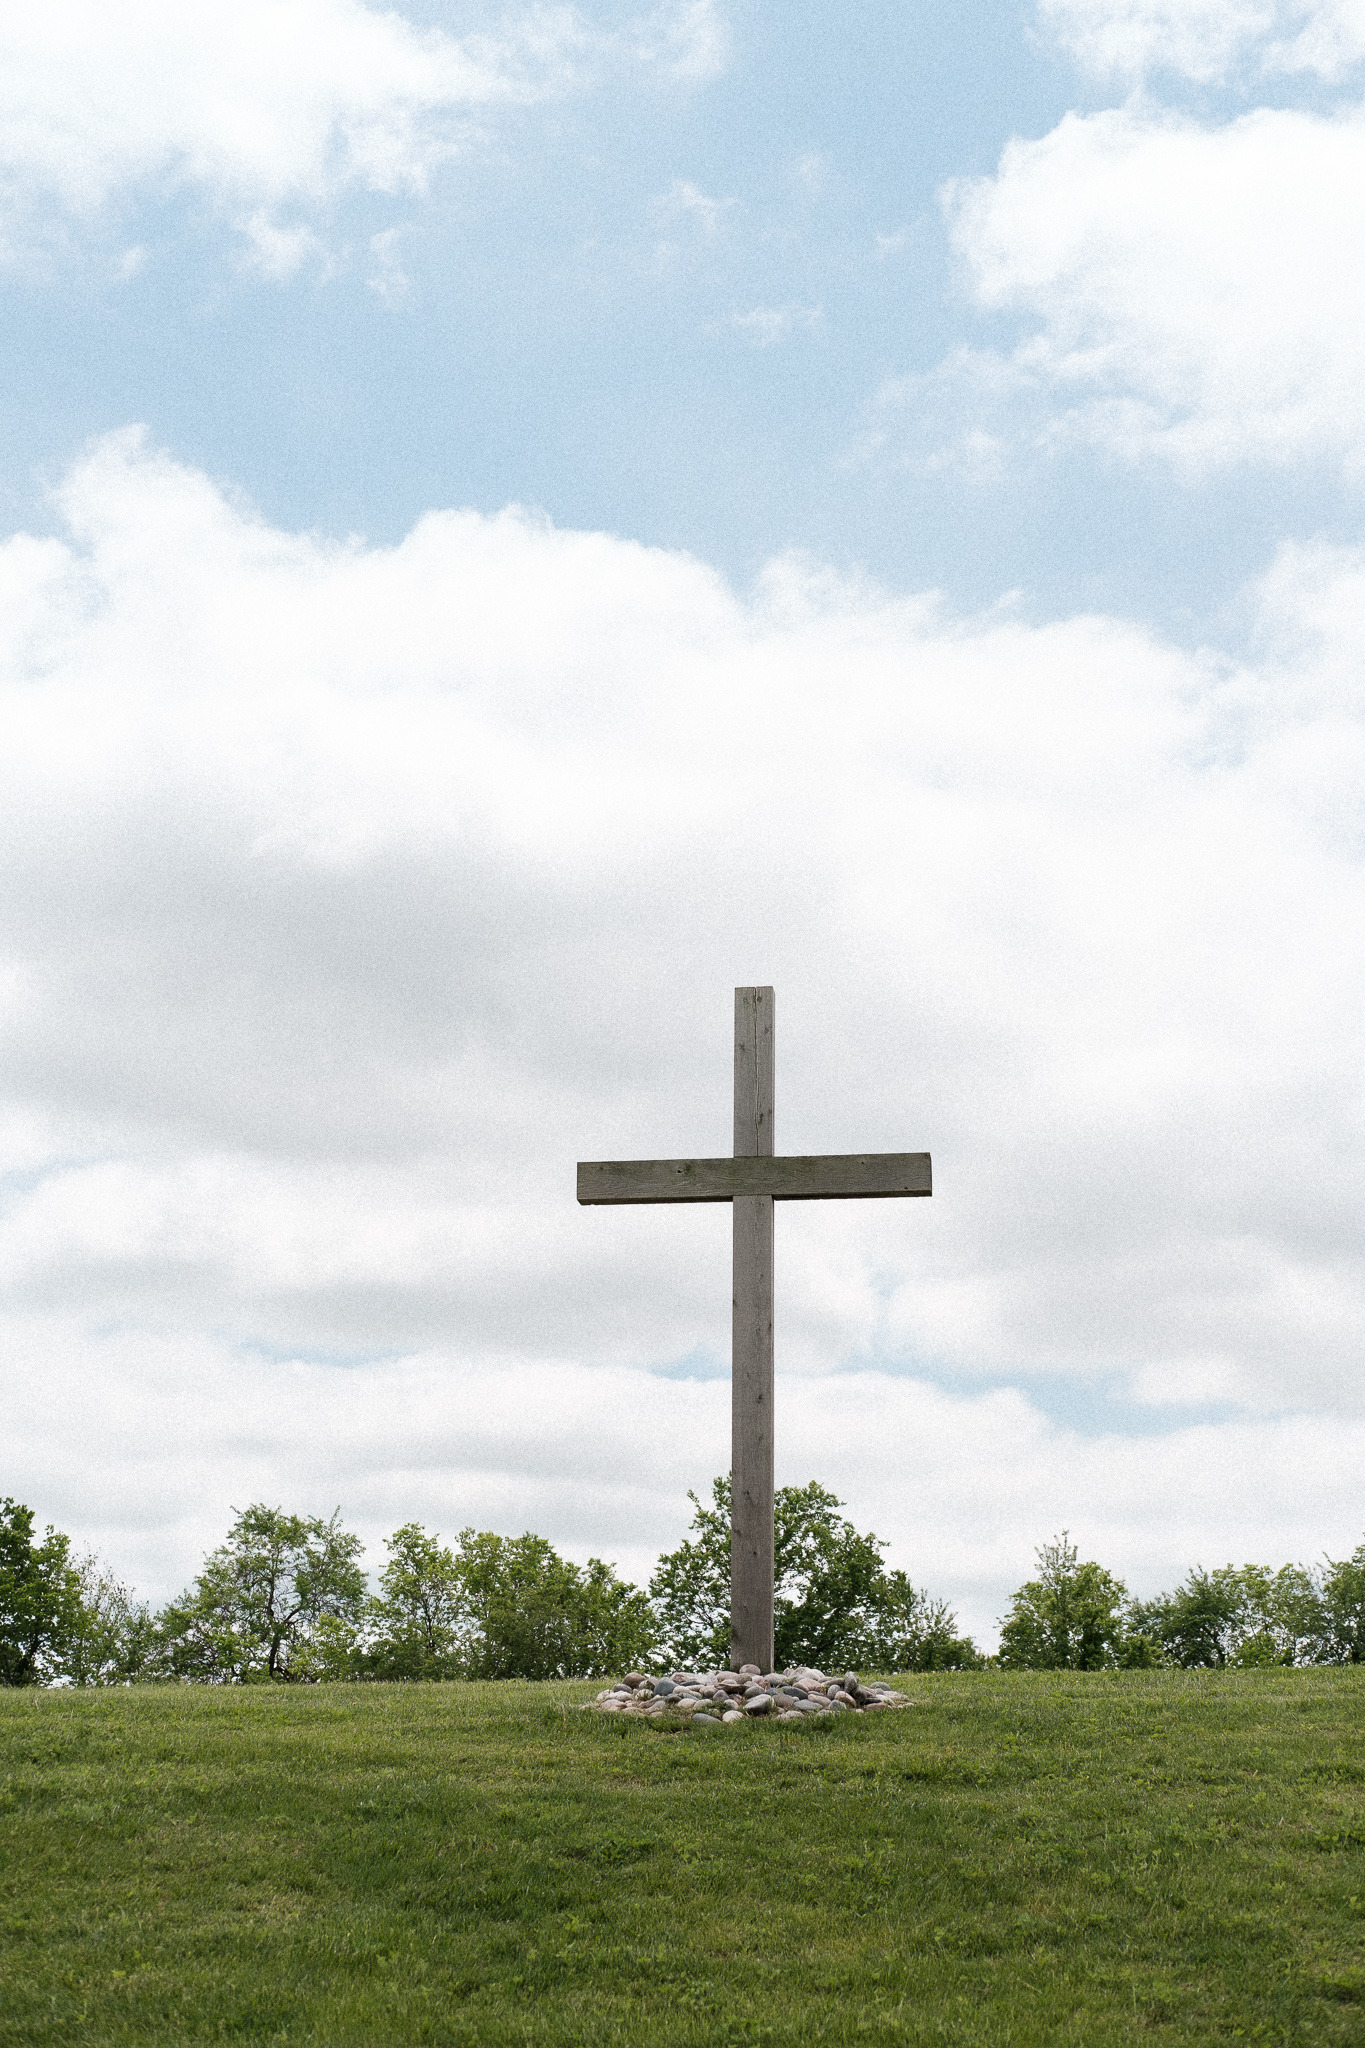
(1031, 1858)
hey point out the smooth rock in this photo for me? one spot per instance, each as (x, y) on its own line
(705, 1721)
(685, 1696)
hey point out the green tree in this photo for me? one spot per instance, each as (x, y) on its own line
(1282, 1616)
(113, 1638)
(834, 1601)
(539, 1616)
(1070, 1618)
(1343, 1610)
(1196, 1624)
(1237, 1615)
(281, 1599)
(421, 1625)
(40, 1598)
(499, 1607)
(691, 1587)
(1139, 1651)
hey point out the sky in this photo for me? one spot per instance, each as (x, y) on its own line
(516, 520)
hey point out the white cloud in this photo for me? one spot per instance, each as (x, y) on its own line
(1207, 40)
(354, 893)
(810, 173)
(690, 39)
(263, 100)
(388, 280)
(1201, 291)
(689, 221)
(686, 201)
(765, 326)
(145, 1445)
(275, 108)
(279, 252)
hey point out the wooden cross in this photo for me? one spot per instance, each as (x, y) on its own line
(751, 1182)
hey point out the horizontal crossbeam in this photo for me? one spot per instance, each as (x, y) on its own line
(837, 1177)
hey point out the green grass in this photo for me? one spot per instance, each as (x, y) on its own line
(1145, 1857)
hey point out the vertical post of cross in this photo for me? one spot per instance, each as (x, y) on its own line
(751, 1375)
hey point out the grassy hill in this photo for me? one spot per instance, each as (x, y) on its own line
(1127, 1857)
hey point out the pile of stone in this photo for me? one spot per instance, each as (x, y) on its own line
(713, 1698)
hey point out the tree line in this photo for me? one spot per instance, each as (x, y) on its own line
(285, 1598)
(1077, 1616)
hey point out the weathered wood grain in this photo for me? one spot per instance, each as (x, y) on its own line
(751, 1435)
(817, 1177)
(754, 1071)
(751, 1339)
